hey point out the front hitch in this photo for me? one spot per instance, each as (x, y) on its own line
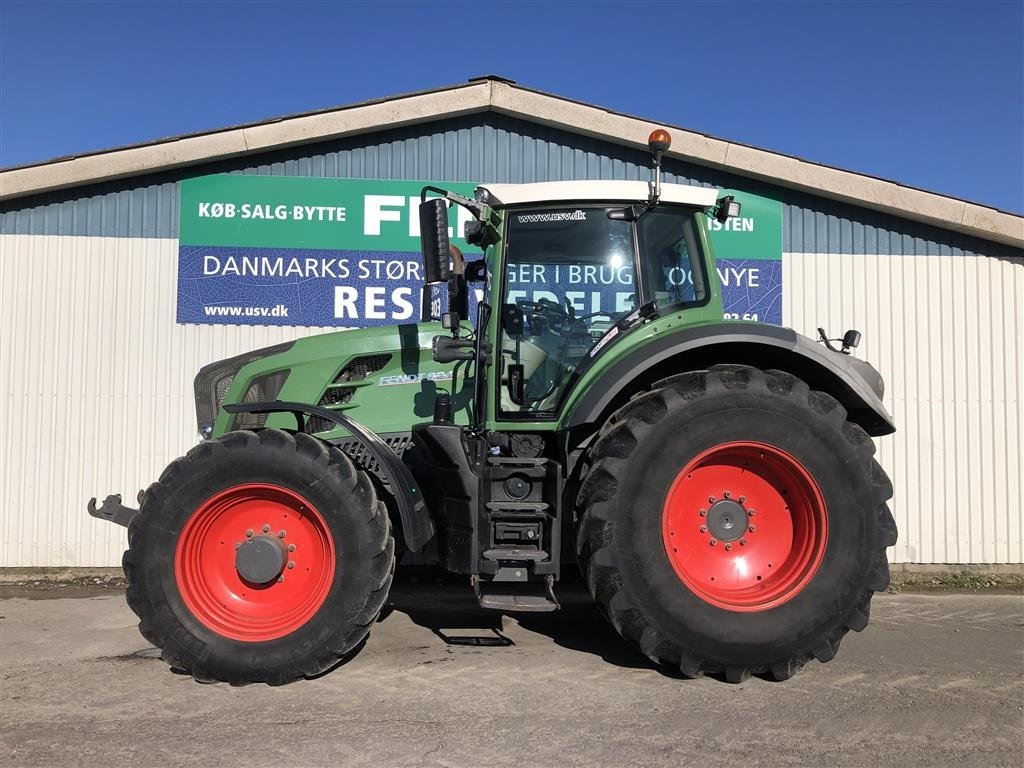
(113, 510)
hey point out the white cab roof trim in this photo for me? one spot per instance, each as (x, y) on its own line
(599, 191)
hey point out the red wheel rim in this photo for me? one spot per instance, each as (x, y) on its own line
(745, 526)
(209, 581)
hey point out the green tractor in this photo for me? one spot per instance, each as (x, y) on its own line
(713, 480)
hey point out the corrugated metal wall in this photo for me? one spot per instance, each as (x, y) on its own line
(97, 394)
(946, 333)
(97, 375)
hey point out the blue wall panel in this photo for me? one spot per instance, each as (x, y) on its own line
(481, 147)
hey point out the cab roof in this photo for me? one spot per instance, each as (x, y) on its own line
(598, 192)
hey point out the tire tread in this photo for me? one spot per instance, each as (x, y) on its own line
(367, 511)
(617, 439)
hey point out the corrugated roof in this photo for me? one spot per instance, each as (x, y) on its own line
(491, 92)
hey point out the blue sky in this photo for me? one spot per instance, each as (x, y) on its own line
(930, 94)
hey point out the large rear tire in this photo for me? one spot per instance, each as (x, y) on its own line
(732, 520)
(259, 557)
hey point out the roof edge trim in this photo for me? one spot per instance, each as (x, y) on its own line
(505, 97)
(195, 149)
(781, 170)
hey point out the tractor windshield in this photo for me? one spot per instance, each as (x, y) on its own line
(573, 274)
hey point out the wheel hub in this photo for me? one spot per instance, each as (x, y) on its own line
(727, 520)
(744, 526)
(260, 560)
(255, 562)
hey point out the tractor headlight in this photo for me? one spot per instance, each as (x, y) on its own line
(214, 380)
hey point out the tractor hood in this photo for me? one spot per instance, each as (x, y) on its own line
(385, 376)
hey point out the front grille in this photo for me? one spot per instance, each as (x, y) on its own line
(362, 458)
(214, 380)
(221, 388)
(337, 396)
(359, 368)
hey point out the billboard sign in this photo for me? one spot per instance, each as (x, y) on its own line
(748, 249)
(271, 250)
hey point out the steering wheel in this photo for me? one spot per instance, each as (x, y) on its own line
(546, 306)
(547, 314)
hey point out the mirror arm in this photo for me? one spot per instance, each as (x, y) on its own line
(477, 209)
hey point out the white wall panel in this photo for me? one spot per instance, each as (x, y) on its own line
(946, 334)
(97, 387)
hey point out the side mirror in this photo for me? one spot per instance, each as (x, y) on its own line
(434, 240)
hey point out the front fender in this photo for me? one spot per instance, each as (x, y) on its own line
(854, 383)
(417, 526)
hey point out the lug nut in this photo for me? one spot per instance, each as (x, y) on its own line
(743, 542)
(291, 547)
(742, 499)
(238, 545)
(727, 495)
(713, 542)
(703, 529)
(751, 528)
(291, 564)
(711, 499)
(248, 531)
(266, 527)
(703, 513)
(750, 513)
(280, 579)
(728, 547)
(281, 534)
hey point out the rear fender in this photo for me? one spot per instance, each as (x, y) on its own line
(854, 383)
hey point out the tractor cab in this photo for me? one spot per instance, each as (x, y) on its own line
(574, 266)
(577, 261)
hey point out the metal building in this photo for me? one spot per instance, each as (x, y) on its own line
(97, 374)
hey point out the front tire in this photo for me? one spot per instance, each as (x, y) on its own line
(259, 557)
(733, 521)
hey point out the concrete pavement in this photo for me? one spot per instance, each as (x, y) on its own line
(934, 680)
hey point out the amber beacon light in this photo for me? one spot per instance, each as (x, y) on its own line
(659, 141)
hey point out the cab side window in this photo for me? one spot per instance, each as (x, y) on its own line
(672, 270)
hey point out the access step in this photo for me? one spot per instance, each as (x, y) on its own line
(518, 506)
(517, 602)
(519, 554)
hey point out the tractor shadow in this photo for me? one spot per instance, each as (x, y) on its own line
(445, 605)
